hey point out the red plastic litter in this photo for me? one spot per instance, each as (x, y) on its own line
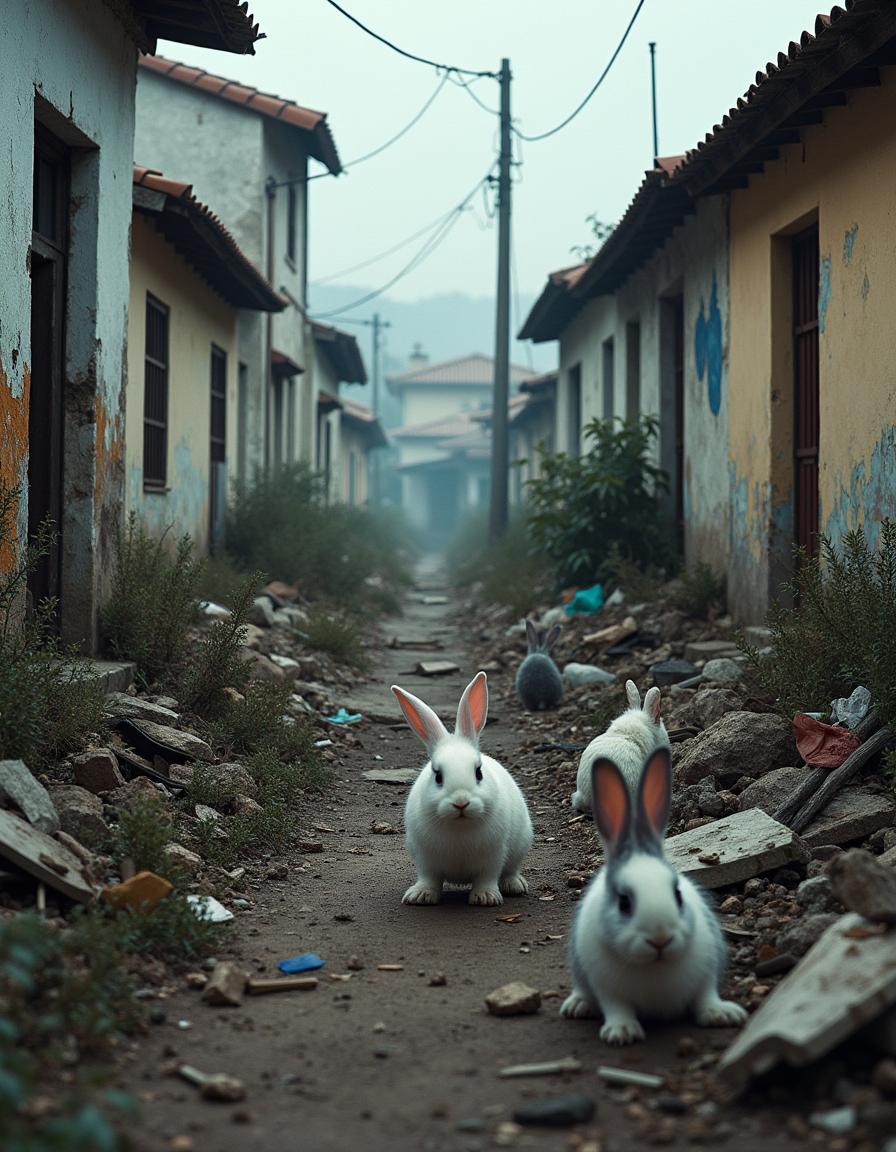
(823, 745)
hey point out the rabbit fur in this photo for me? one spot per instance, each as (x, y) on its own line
(539, 684)
(645, 941)
(627, 742)
(466, 820)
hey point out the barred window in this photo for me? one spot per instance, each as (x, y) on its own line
(219, 405)
(155, 395)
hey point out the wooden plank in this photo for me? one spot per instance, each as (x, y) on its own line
(43, 857)
(840, 777)
(846, 980)
(734, 849)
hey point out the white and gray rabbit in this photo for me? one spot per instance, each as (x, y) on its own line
(539, 684)
(645, 941)
(627, 742)
(466, 820)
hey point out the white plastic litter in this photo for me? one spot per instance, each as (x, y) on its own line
(210, 608)
(208, 908)
(580, 675)
(618, 597)
(852, 710)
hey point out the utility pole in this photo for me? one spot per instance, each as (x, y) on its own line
(656, 146)
(500, 449)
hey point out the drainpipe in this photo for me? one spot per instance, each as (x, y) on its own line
(270, 189)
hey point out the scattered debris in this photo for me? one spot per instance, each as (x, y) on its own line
(171, 744)
(392, 775)
(629, 1076)
(668, 672)
(855, 813)
(437, 980)
(210, 909)
(43, 857)
(306, 962)
(556, 1112)
(342, 716)
(261, 987)
(822, 745)
(213, 1086)
(136, 708)
(584, 675)
(226, 986)
(614, 633)
(851, 710)
(435, 667)
(390, 967)
(837, 1122)
(19, 786)
(864, 885)
(355, 964)
(509, 918)
(310, 847)
(514, 999)
(585, 602)
(568, 1064)
(734, 848)
(383, 828)
(841, 776)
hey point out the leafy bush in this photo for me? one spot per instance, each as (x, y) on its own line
(512, 572)
(841, 631)
(215, 664)
(336, 632)
(171, 932)
(143, 830)
(638, 584)
(222, 578)
(47, 704)
(701, 591)
(584, 506)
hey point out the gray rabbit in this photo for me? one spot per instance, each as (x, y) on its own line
(538, 681)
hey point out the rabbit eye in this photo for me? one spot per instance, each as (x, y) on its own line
(478, 772)
(438, 777)
(625, 903)
(678, 898)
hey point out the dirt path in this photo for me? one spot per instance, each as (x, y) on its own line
(387, 1060)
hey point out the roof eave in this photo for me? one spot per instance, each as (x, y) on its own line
(223, 25)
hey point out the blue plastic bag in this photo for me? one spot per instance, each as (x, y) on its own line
(307, 962)
(586, 601)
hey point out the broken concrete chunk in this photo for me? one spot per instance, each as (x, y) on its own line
(746, 844)
(231, 780)
(97, 770)
(705, 650)
(722, 670)
(43, 857)
(80, 813)
(261, 613)
(740, 744)
(514, 999)
(226, 986)
(435, 667)
(864, 885)
(289, 667)
(847, 979)
(19, 786)
(392, 775)
(188, 745)
(851, 815)
(135, 708)
(181, 857)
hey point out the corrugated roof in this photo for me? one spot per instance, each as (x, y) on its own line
(313, 125)
(341, 349)
(203, 241)
(226, 25)
(474, 370)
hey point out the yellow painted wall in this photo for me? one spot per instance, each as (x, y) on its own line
(198, 318)
(844, 174)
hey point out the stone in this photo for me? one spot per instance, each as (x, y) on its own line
(282, 590)
(291, 616)
(816, 895)
(613, 633)
(97, 770)
(48, 860)
(697, 650)
(261, 613)
(20, 787)
(231, 779)
(734, 849)
(214, 1086)
(108, 675)
(181, 773)
(758, 636)
(246, 806)
(135, 708)
(837, 1122)
(184, 743)
(226, 986)
(740, 744)
(392, 775)
(253, 636)
(136, 791)
(435, 667)
(864, 885)
(289, 667)
(668, 672)
(721, 670)
(556, 1111)
(80, 813)
(260, 667)
(884, 1076)
(707, 706)
(204, 812)
(583, 675)
(180, 857)
(514, 999)
(771, 790)
(797, 938)
(851, 815)
(889, 857)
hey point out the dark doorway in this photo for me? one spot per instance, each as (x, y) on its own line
(676, 306)
(49, 247)
(806, 396)
(217, 489)
(574, 415)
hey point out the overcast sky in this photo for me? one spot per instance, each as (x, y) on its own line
(708, 52)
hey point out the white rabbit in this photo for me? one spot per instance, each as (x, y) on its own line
(645, 940)
(466, 821)
(627, 742)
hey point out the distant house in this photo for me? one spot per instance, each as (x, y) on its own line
(247, 153)
(531, 426)
(189, 281)
(67, 75)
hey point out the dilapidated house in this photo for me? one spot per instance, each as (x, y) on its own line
(67, 78)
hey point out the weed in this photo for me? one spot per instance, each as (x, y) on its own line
(335, 632)
(144, 829)
(171, 932)
(222, 578)
(512, 572)
(215, 662)
(638, 584)
(701, 591)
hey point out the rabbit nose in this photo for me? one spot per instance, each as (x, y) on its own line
(659, 942)
(460, 807)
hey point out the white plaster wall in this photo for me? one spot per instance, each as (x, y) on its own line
(426, 402)
(582, 343)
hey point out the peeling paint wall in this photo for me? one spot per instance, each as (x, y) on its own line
(840, 175)
(198, 318)
(75, 65)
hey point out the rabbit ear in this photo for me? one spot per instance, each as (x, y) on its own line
(652, 705)
(655, 796)
(632, 694)
(612, 803)
(472, 712)
(421, 718)
(552, 637)
(531, 636)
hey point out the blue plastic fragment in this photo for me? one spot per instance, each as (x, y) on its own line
(586, 601)
(307, 962)
(343, 717)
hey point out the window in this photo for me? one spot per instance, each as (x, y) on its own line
(806, 378)
(155, 395)
(291, 420)
(574, 415)
(291, 203)
(632, 369)
(609, 383)
(242, 416)
(219, 405)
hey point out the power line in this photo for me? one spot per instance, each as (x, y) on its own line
(467, 86)
(401, 51)
(597, 84)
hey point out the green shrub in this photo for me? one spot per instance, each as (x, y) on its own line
(841, 631)
(701, 591)
(336, 632)
(222, 578)
(144, 829)
(152, 603)
(47, 704)
(215, 664)
(638, 584)
(584, 506)
(171, 932)
(512, 572)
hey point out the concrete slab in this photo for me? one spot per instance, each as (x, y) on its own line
(851, 815)
(734, 849)
(110, 675)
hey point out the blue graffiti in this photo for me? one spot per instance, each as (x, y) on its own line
(824, 291)
(849, 242)
(708, 348)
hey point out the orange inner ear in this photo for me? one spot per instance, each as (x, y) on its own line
(412, 716)
(477, 702)
(612, 798)
(655, 791)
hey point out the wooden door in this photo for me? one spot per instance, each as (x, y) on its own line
(217, 448)
(806, 394)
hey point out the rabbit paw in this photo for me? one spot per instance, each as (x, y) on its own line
(490, 896)
(423, 892)
(622, 1030)
(577, 1006)
(577, 800)
(514, 885)
(721, 1014)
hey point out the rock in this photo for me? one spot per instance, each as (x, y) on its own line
(97, 770)
(246, 806)
(553, 616)
(135, 708)
(771, 790)
(889, 857)
(514, 999)
(884, 1076)
(758, 636)
(204, 812)
(556, 1111)
(435, 667)
(80, 813)
(392, 775)
(734, 849)
(816, 895)
(282, 591)
(721, 670)
(226, 986)
(582, 675)
(253, 636)
(864, 885)
(289, 667)
(797, 938)
(19, 787)
(707, 706)
(667, 625)
(260, 667)
(740, 744)
(708, 650)
(291, 616)
(181, 773)
(668, 672)
(231, 779)
(140, 789)
(851, 815)
(185, 743)
(261, 613)
(837, 1122)
(181, 857)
